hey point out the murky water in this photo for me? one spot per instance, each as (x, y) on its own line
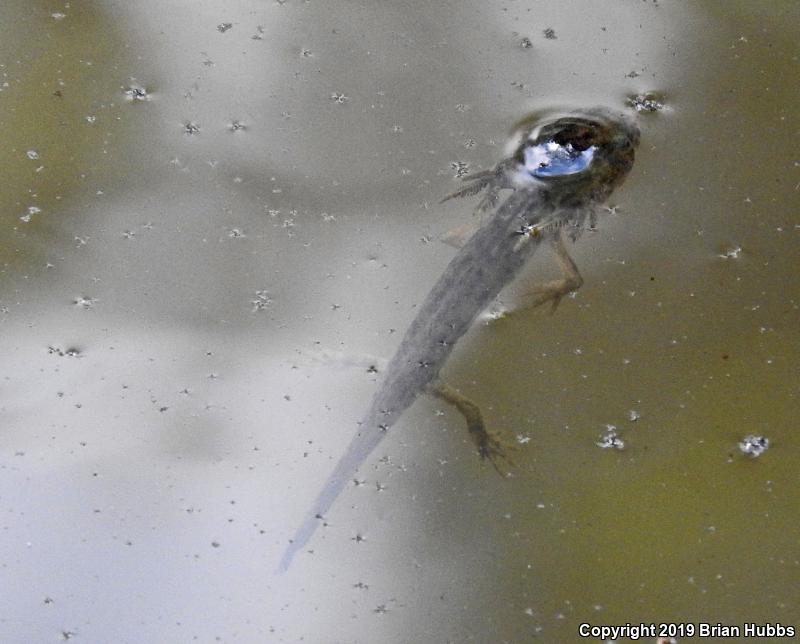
(216, 216)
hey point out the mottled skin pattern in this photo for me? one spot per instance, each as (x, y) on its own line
(537, 210)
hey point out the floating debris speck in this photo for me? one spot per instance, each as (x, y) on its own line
(754, 445)
(71, 352)
(550, 34)
(525, 43)
(610, 439)
(647, 102)
(84, 302)
(461, 168)
(30, 212)
(262, 301)
(733, 251)
(136, 93)
(224, 27)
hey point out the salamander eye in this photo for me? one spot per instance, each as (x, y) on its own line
(553, 159)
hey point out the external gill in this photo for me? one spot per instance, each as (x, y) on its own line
(493, 181)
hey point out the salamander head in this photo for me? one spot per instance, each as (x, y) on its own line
(594, 147)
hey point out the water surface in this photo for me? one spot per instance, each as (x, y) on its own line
(217, 217)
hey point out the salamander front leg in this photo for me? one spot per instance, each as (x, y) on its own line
(489, 446)
(570, 282)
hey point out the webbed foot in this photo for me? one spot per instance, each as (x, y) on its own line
(489, 445)
(492, 448)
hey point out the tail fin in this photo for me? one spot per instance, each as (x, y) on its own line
(357, 451)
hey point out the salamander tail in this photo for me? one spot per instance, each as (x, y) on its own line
(357, 451)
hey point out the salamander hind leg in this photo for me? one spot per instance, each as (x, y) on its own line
(489, 445)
